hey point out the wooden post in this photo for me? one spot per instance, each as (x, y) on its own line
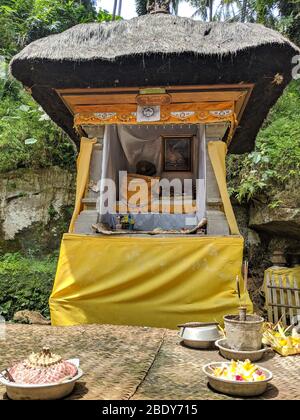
(269, 299)
(297, 298)
(282, 301)
(274, 296)
(289, 297)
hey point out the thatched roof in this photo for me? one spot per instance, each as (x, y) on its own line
(158, 50)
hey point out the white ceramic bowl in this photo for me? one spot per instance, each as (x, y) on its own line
(54, 391)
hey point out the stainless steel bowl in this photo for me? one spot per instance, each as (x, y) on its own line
(199, 335)
(235, 388)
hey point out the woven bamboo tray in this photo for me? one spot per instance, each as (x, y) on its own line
(137, 363)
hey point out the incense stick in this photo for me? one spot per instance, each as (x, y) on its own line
(246, 265)
(238, 287)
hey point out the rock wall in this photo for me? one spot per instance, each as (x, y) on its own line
(268, 229)
(278, 213)
(35, 208)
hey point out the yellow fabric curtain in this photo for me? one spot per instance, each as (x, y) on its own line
(217, 152)
(156, 282)
(83, 169)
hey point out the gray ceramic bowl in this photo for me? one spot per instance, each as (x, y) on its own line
(228, 353)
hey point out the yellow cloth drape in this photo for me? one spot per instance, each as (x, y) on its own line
(83, 169)
(156, 282)
(217, 152)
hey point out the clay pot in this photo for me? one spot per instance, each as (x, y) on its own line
(244, 335)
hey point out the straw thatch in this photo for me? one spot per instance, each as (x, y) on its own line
(162, 34)
(158, 50)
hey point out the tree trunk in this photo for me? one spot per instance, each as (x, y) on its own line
(141, 7)
(114, 10)
(175, 6)
(244, 11)
(120, 8)
(211, 5)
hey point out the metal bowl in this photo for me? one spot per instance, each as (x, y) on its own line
(199, 331)
(199, 344)
(54, 391)
(199, 335)
(231, 354)
(238, 389)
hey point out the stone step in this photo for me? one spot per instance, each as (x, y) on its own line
(83, 228)
(217, 223)
(89, 200)
(85, 220)
(88, 213)
(91, 195)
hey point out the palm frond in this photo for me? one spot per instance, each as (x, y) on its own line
(141, 7)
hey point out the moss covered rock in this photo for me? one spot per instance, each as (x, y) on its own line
(35, 208)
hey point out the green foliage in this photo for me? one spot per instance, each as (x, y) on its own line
(104, 16)
(25, 283)
(23, 21)
(283, 15)
(289, 20)
(27, 136)
(214, 10)
(141, 6)
(276, 159)
(13, 20)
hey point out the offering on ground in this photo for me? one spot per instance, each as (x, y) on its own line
(281, 340)
(240, 372)
(42, 368)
